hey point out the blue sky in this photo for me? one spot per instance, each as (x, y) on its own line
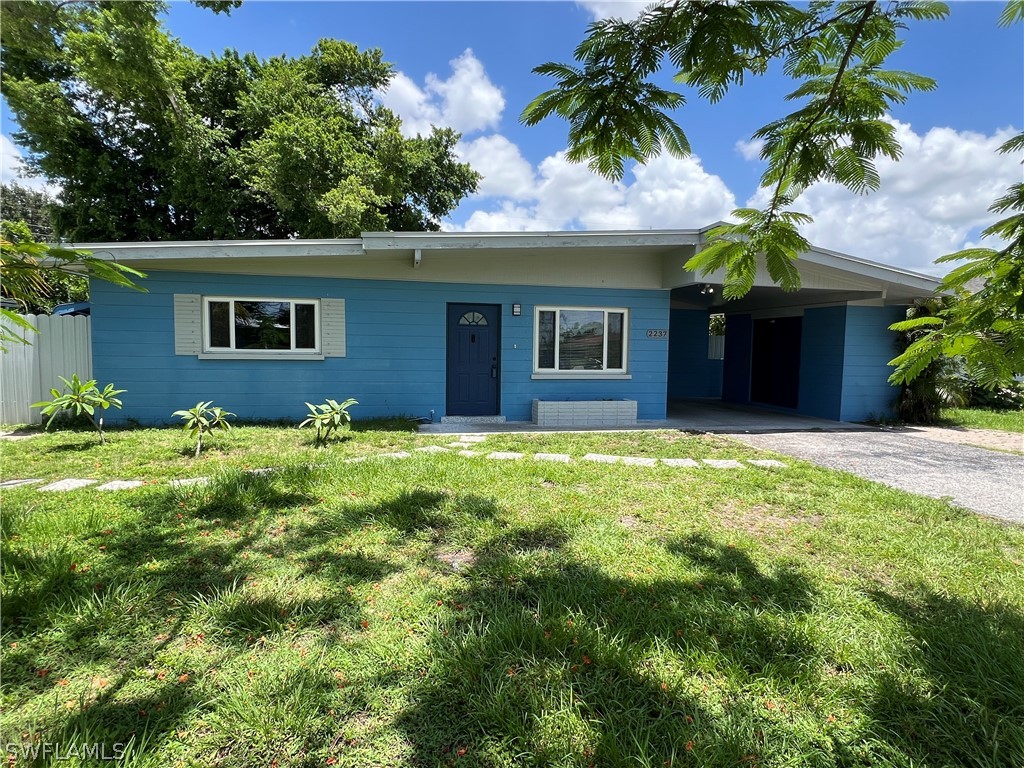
(468, 65)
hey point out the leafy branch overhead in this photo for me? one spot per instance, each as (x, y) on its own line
(835, 52)
(25, 265)
(983, 325)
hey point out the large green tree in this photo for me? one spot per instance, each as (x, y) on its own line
(836, 53)
(149, 140)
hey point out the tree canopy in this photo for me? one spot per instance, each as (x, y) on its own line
(836, 53)
(149, 140)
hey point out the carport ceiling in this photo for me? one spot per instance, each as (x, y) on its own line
(764, 298)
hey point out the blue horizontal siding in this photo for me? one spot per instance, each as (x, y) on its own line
(822, 338)
(690, 372)
(396, 339)
(869, 346)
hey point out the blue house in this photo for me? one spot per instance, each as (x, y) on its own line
(488, 325)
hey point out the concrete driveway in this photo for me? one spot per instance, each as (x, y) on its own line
(985, 481)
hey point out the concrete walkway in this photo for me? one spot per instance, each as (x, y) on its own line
(685, 415)
(989, 482)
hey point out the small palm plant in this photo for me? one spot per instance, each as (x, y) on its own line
(328, 418)
(202, 419)
(81, 397)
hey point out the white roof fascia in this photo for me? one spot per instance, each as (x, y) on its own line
(856, 265)
(382, 242)
(222, 249)
(389, 241)
(871, 269)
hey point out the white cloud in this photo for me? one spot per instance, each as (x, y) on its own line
(467, 101)
(12, 165)
(750, 150)
(607, 9)
(667, 193)
(506, 173)
(931, 202)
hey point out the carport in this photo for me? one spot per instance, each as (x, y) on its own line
(718, 416)
(821, 351)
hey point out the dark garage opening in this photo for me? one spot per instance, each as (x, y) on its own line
(775, 361)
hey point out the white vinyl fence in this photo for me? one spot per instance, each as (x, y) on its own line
(716, 347)
(62, 346)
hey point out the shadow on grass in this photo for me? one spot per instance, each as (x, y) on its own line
(191, 564)
(235, 494)
(564, 663)
(74, 447)
(551, 659)
(967, 706)
(557, 659)
(392, 424)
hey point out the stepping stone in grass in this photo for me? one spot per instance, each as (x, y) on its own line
(18, 483)
(469, 454)
(187, 481)
(639, 461)
(679, 463)
(562, 458)
(601, 458)
(262, 470)
(395, 455)
(504, 455)
(356, 459)
(119, 485)
(723, 463)
(460, 444)
(472, 438)
(70, 484)
(433, 449)
(765, 463)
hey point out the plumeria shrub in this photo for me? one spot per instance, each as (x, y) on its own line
(202, 419)
(81, 398)
(328, 418)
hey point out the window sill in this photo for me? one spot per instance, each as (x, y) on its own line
(258, 356)
(577, 375)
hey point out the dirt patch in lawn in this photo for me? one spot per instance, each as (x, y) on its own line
(992, 439)
(762, 518)
(457, 559)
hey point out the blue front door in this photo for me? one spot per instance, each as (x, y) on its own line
(474, 336)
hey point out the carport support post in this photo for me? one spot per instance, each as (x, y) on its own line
(736, 371)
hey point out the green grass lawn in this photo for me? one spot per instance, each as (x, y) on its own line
(443, 610)
(983, 418)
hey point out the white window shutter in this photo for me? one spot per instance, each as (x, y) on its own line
(332, 327)
(188, 328)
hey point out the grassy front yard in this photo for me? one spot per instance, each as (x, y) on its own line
(445, 610)
(983, 418)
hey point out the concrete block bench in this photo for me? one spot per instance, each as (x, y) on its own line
(584, 413)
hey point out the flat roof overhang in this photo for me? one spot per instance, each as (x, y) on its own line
(651, 259)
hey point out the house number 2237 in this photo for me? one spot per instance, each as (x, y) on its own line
(657, 333)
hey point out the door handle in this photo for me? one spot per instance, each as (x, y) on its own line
(494, 371)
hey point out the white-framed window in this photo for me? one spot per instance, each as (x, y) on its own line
(580, 340)
(261, 325)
